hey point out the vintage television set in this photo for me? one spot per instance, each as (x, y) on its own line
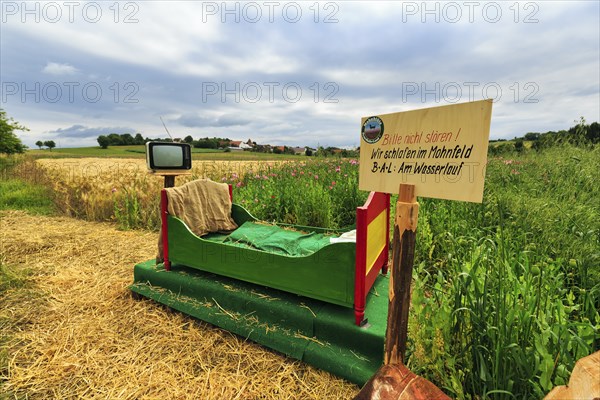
(168, 156)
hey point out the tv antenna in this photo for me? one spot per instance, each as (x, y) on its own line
(168, 133)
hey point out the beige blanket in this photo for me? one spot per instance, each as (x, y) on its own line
(204, 206)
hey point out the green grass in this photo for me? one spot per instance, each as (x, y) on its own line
(18, 194)
(507, 292)
(139, 151)
(111, 151)
(12, 278)
(15, 194)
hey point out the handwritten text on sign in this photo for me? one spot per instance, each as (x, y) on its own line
(441, 150)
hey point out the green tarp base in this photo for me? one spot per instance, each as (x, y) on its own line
(321, 334)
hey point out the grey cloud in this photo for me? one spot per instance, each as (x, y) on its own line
(225, 120)
(81, 131)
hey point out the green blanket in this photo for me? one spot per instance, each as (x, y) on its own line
(274, 239)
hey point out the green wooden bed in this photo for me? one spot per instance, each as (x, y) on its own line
(338, 273)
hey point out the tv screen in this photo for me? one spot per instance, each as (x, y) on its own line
(170, 156)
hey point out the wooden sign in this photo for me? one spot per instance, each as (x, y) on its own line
(441, 150)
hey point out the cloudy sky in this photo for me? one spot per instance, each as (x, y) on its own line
(294, 73)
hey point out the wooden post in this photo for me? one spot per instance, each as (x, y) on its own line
(169, 181)
(405, 227)
(393, 381)
(169, 176)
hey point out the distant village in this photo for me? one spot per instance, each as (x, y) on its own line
(225, 144)
(249, 145)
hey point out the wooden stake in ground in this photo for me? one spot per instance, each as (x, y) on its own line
(403, 245)
(170, 176)
(394, 381)
(169, 181)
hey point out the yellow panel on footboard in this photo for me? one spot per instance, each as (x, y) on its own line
(376, 236)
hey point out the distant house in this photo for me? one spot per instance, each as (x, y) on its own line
(309, 150)
(239, 145)
(234, 145)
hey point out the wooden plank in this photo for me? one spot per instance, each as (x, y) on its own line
(407, 210)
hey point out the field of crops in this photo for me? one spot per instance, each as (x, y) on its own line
(505, 293)
(117, 189)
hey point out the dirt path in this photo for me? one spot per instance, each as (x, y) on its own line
(76, 332)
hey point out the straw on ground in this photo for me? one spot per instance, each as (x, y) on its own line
(74, 331)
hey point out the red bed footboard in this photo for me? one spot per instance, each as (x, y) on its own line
(372, 243)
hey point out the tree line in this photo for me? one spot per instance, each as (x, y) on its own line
(48, 143)
(581, 134)
(124, 139)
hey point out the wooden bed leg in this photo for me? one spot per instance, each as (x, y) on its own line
(359, 317)
(164, 229)
(359, 310)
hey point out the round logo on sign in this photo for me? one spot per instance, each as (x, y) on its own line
(372, 130)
